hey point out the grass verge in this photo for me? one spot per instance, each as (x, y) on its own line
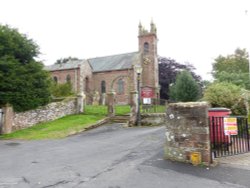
(59, 128)
(65, 126)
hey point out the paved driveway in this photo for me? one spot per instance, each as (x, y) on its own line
(110, 156)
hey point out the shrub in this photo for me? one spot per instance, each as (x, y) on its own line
(62, 90)
(228, 95)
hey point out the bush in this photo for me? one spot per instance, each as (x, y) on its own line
(62, 90)
(226, 95)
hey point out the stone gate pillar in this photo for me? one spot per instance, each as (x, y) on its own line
(111, 104)
(80, 103)
(7, 119)
(187, 133)
(133, 108)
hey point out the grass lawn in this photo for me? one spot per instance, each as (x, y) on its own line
(122, 109)
(119, 109)
(59, 128)
(153, 109)
(65, 126)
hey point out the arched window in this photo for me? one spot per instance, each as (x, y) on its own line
(146, 47)
(103, 86)
(68, 79)
(120, 84)
(55, 79)
(86, 84)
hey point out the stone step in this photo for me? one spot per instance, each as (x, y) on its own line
(120, 119)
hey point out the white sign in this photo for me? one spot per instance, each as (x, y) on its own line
(230, 126)
(146, 100)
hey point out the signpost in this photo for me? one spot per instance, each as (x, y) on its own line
(147, 93)
(146, 100)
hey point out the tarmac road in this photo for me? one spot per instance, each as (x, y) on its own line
(110, 156)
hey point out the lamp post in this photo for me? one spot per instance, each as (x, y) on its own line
(138, 70)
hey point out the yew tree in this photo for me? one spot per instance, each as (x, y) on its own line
(185, 89)
(23, 82)
(168, 71)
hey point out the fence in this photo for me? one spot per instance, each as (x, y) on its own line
(154, 106)
(229, 140)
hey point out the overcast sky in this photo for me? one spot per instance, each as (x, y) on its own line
(194, 31)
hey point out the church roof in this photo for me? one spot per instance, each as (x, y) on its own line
(114, 62)
(99, 64)
(71, 64)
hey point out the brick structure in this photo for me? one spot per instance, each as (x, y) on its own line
(148, 49)
(113, 73)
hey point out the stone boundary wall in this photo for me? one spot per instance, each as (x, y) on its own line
(153, 119)
(49, 112)
(187, 133)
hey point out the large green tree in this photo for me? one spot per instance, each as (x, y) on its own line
(185, 89)
(23, 82)
(168, 71)
(233, 68)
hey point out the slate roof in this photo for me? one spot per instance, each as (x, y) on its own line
(71, 64)
(100, 64)
(114, 62)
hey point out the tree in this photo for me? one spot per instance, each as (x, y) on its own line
(17, 46)
(224, 94)
(65, 60)
(233, 68)
(168, 70)
(23, 82)
(185, 88)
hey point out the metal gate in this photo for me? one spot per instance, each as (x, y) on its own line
(225, 144)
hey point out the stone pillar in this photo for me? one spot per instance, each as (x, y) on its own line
(111, 104)
(103, 102)
(7, 117)
(80, 103)
(187, 132)
(133, 108)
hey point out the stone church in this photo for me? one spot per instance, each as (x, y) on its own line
(95, 77)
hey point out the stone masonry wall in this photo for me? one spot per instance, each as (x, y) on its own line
(153, 119)
(49, 112)
(187, 131)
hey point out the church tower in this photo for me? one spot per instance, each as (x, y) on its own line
(149, 58)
